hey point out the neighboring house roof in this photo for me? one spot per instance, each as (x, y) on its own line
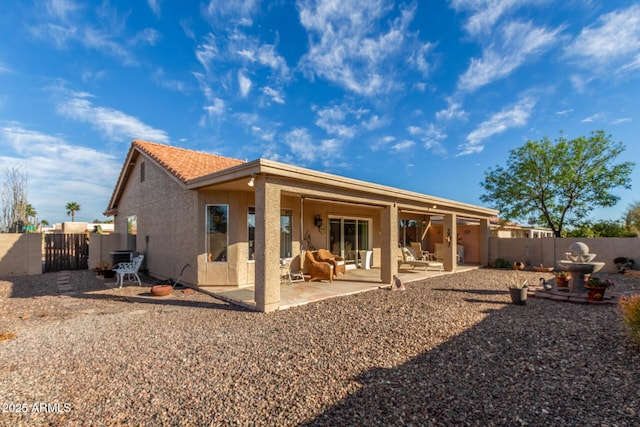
(185, 164)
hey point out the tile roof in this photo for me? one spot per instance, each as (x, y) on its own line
(185, 164)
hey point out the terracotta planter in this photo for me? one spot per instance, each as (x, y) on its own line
(161, 290)
(595, 293)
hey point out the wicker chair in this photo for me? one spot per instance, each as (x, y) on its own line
(339, 265)
(318, 270)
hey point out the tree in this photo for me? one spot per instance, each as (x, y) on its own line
(13, 200)
(601, 228)
(632, 217)
(558, 183)
(72, 208)
(31, 213)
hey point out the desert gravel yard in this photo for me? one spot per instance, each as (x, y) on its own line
(450, 350)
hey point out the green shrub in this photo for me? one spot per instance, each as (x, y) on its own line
(503, 263)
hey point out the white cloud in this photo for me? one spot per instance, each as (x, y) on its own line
(148, 36)
(593, 118)
(382, 142)
(431, 137)
(345, 121)
(348, 47)
(237, 11)
(244, 83)
(206, 51)
(63, 25)
(160, 78)
(564, 112)
(403, 145)
(215, 109)
(419, 59)
(514, 116)
(519, 43)
(264, 55)
(274, 94)
(610, 46)
(154, 5)
(453, 112)
(60, 172)
(301, 144)
(485, 13)
(61, 9)
(621, 120)
(114, 124)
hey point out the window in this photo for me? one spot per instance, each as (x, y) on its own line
(132, 232)
(286, 240)
(251, 232)
(217, 232)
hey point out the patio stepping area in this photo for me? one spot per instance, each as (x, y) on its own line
(563, 295)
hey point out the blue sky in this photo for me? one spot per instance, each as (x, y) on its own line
(420, 95)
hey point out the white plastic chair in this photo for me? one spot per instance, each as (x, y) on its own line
(129, 269)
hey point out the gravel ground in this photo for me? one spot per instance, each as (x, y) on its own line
(449, 350)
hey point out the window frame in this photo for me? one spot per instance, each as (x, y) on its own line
(224, 257)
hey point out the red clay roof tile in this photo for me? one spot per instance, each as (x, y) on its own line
(185, 164)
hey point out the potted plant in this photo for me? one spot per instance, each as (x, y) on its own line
(518, 290)
(596, 288)
(623, 263)
(101, 267)
(562, 279)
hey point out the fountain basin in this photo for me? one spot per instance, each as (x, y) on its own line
(578, 270)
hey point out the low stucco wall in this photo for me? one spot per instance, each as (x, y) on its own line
(20, 254)
(547, 251)
(101, 246)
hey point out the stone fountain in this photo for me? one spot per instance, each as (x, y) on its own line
(579, 262)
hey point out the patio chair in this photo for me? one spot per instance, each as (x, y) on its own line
(339, 264)
(129, 269)
(318, 270)
(406, 256)
(416, 248)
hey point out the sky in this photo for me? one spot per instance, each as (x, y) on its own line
(420, 95)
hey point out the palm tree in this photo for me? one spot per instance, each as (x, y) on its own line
(31, 213)
(632, 217)
(72, 208)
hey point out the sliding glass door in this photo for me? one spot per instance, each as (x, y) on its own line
(348, 236)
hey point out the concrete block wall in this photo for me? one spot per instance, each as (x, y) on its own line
(20, 254)
(547, 251)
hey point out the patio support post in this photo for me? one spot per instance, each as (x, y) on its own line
(267, 241)
(389, 243)
(450, 234)
(484, 241)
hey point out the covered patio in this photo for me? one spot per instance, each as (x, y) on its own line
(352, 282)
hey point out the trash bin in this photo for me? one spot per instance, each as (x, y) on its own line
(121, 256)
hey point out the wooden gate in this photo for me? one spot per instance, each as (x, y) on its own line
(66, 252)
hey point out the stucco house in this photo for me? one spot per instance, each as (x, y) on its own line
(233, 221)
